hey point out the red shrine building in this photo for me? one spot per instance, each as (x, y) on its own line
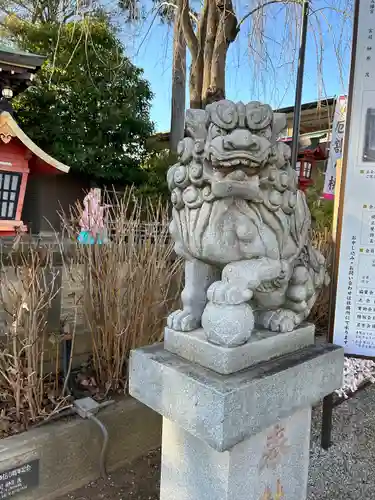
(308, 157)
(314, 141)
(21, 160)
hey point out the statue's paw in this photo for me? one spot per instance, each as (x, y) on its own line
(227, 293)
(183, 321)
(297, 307)
(282, 320)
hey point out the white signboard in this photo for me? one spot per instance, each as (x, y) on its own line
(335, 151)
(354, 326)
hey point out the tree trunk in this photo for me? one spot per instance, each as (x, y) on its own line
(217, 29)
(178, 85)
(216, 89)
(196, 82)
(226, 33)
(209, 44)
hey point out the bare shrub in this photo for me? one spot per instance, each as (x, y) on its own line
(27, 393)
(129, 284)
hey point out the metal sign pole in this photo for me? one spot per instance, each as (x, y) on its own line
(299, 84)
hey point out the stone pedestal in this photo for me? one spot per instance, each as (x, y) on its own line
(242, 435)
(273, 462)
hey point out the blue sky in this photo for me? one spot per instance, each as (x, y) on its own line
(150, 48)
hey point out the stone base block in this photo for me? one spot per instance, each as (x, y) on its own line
(225, 410)
(262, 346)
(271, 465)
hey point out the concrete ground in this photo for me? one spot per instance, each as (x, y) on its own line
(345, 472)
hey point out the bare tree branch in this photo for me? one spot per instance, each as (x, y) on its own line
(261, 6)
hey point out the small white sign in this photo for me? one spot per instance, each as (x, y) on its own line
(336, 148)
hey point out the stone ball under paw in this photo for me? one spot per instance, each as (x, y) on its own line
(228, 325)
(300, 275)
(297, 293)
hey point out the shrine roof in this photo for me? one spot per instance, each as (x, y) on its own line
(9, 129)
(19, 58)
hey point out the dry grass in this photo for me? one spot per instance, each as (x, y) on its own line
(126, 289)
(27, 393)
(129, 284)
(322, 240)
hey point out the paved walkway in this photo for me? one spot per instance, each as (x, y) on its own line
(345, 472)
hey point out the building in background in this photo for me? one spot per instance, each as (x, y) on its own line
(17, 71)
(20, 160)
(32, 193)
(26, 171)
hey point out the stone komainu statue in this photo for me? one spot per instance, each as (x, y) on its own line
(242, 225)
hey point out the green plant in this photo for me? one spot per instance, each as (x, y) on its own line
(89, 106)
(155, 168)
(321, 209)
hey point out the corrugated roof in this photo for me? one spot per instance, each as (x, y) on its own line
(309, 105)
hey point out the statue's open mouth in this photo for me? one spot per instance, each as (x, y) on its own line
(238, 172)
(235, 160)
(242, 163)
(242, 159)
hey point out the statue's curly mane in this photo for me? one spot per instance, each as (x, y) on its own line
(270, 188)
